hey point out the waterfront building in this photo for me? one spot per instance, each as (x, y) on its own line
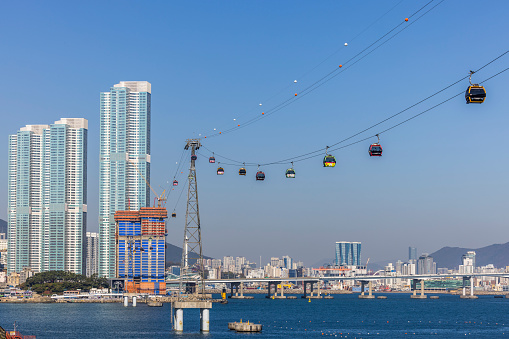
(92, 253)
(467, 263)
(124, 160)
(140, 249)
(47, 196)
(426, 265)
(348, 253)
(412, 253)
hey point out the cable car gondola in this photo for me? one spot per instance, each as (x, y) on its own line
(175, 183)
(328, 160)
(260, 175)
(194, 157)
(212, 160)
(242, 170)
(375, 150)
(220, 171)
(174, 215)
(475, 93)
(290, 173)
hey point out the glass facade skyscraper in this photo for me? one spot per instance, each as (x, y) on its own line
(348, 253)
(47, 196)
(124, 161)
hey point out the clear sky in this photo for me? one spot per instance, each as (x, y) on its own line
(442, 177)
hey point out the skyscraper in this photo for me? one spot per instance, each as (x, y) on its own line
(47, 196)
(348, 253)
(426, 265)
(412, 253)
(92, 253)
(124, 161)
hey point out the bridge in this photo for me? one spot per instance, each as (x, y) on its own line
(237, 284)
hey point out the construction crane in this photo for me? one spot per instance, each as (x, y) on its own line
(159, 198)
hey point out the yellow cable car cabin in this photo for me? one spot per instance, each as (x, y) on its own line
(475, 94)
(242, 171)
(220, 171)
(290, 173)
(329, 161)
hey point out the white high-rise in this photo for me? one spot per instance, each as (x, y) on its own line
(47, 196)
(124, 161)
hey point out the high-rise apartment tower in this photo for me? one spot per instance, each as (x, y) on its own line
(124, 161)
(348, 253)
(47, 196)
(92, 253)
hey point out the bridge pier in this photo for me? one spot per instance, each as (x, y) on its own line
(204, 306)
(269, 289)
(370, 290)
(414, 288)
(282, 296)
(464, 295)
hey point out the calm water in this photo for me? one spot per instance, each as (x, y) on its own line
(345, 316)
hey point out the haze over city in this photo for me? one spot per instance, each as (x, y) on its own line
(440, 180)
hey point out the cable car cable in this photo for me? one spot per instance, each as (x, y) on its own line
(331, 74)
(310, 154)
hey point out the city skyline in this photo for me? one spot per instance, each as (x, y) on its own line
(440, 180)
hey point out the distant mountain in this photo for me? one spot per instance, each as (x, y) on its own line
(174, 255)
(450, 257)
(3, 226)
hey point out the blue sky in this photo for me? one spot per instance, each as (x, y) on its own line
(441, 179)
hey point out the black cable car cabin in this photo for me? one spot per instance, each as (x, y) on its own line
(174, 215)
(220, 171)
(475, 94)
(175, 183)
(260, 175)
(212, 160)
(290, 173)
(375, 150)
(329, 161)
(242, 171)
(194, 157)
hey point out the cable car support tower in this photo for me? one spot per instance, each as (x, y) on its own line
(191, 284)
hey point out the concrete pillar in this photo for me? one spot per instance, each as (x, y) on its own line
(305, 284)
(126, 301)
(241, 289)
(471, 286)
(370, 286)
(268, 289)
(362, 287)
(204, 317)
(134, 301)
(414, 287)
(178, 323)
(422, 287)
(464, 286)
(282, 289)
(318, 283)
(231, 290)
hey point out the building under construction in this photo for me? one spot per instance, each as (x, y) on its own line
(140, 249)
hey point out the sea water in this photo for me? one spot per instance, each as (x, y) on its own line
(345, 316)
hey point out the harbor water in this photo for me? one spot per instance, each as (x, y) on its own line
(345, 316)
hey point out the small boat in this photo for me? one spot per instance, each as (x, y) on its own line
(15, 334)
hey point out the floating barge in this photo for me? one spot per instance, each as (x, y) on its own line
(245, 327)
